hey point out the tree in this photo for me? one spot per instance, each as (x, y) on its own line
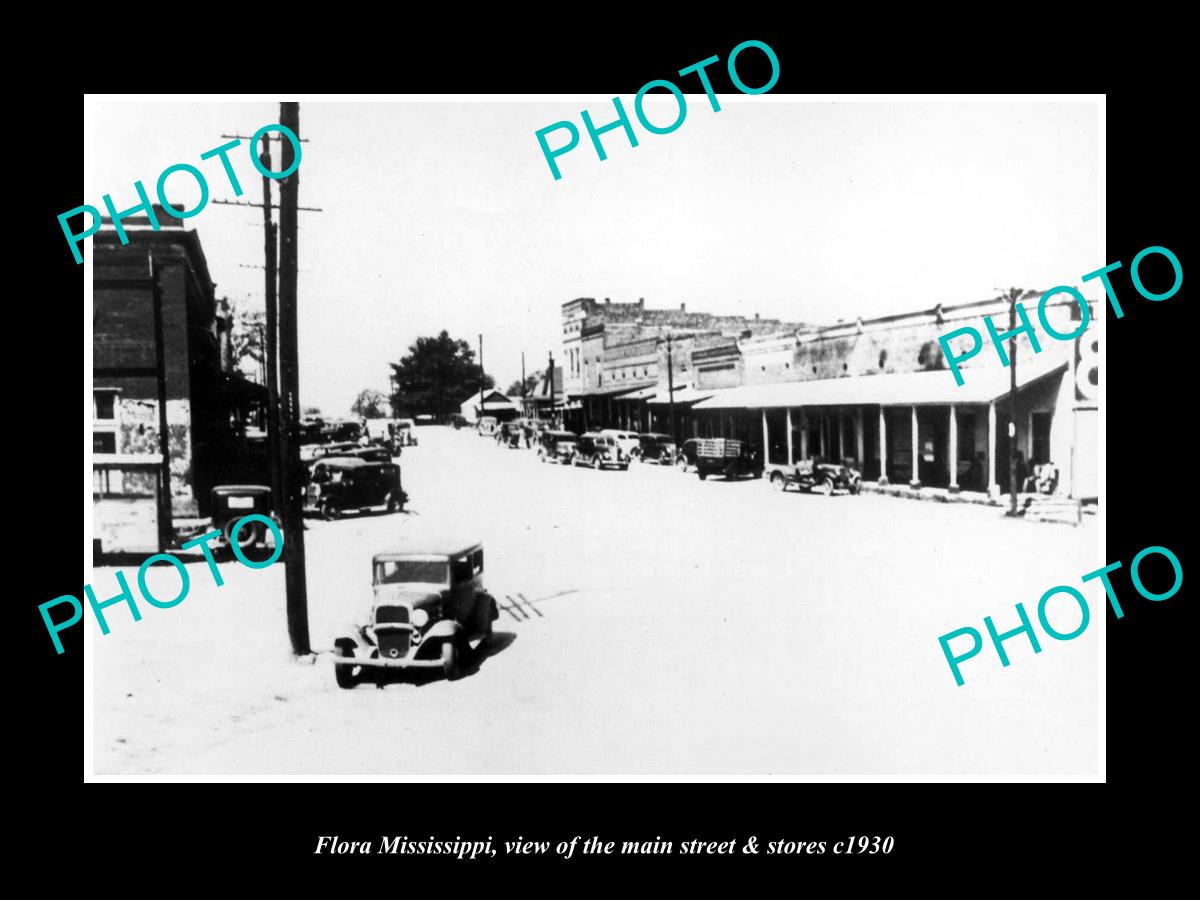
(370, 405)
(437, 375)
(517, 389)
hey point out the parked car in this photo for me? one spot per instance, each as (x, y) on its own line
(458, 420)
(600, 451)
(558, 447)
(685, 457)
(371, 454)
(347, 483)
(725, 456)
(510, 434)
(229, 503)
(406, 433)
(626, 440)
(814, 477)
(429, 605)
(487, 426)
(655, 448)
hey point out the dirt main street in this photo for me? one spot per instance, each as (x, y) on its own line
(676, 626)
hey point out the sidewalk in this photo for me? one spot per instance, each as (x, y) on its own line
(943, 495)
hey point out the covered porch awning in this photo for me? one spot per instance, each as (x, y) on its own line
(684, 394)
(643, 394)
(982, 385)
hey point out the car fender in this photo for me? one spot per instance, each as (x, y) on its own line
(443, 628)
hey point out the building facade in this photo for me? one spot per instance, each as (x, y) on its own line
(875, 394)
(168, 412)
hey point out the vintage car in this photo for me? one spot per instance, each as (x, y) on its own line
(229, 503)
(557, 447)
(814, 477)
(600, 451)
(486, 426)
(512, 434)
(429, 605)
(685, 456)
(655, 448)
(458, 420)
(626, 440)
(406, 435)
(725, 456)
(345, 483)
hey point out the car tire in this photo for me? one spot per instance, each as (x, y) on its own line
(346, 679)
(450, 662)
(393, 504)
(331, 510)
(489, 633)
(856, 488)
(827, 487)
(248, 536)
(596, 464)
(702, 474)
(778, 482)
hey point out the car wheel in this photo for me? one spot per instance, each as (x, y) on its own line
(450, 659)
(344, 647)
(248, 535)
(778, 482)
(541, 456)
(489, 631)
(702, 474)
(393, 504)
(331, 509)
(855, 488)
(827, 487)
(596, 464)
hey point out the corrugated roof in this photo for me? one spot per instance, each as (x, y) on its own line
(904, 388)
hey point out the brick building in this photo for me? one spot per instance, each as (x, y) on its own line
(163, 388)
(875, 393)
(610, 349)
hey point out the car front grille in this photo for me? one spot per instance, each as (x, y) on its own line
(393, 644)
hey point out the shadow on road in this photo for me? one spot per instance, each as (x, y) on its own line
(470, 664)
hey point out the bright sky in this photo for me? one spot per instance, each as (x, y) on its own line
(445, 214)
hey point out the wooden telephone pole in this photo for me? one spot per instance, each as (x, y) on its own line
(289, 384)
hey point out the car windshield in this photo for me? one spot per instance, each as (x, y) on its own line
(663, 439)
(402, 571)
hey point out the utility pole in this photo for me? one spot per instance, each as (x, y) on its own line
(271, 351)
(670, 388)
(523, 391)
(1013, 487)
(550, 381)
(482, 401)
(289, 377)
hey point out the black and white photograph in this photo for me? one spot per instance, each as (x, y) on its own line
(526, 437)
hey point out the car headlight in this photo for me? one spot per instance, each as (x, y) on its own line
(420, 618)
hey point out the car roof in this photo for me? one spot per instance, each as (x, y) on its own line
(239, 489)
(596, 434)
(429, 546)
(561, 435)
(653, 434)
(350, 462)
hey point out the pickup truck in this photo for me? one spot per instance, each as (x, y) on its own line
(725, 456)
